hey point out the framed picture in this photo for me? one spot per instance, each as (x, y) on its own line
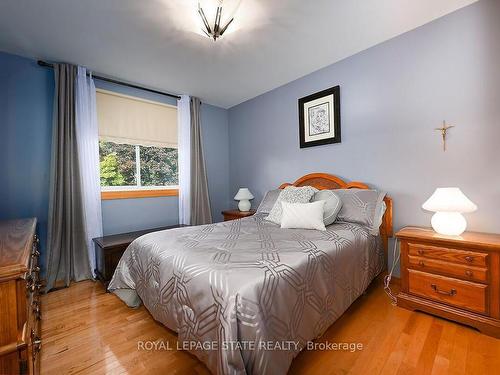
(319, 118)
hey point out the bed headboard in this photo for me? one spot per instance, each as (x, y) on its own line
(324, 181)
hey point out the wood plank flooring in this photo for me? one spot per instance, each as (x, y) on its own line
(88, 331)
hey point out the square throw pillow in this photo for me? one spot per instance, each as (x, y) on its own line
(268, 202)
(303, 215)
(333, 204)
(362, 206)
(290, 194)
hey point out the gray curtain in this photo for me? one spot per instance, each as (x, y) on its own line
(200, 200)
(67, 257)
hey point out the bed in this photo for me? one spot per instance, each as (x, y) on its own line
(245, 296)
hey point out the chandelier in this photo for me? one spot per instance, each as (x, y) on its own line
(216, 16)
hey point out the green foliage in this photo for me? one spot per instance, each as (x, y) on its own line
(110, 176)
(159, 166)
(125, 155)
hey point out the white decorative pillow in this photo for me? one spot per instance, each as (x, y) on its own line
(333, 204)
(303, 215)
(290, 194)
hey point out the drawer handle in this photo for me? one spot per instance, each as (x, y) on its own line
(469, 259)
(468, 273)
(37, 346)
(36, 342)
(421, 264)
(36, 310)
(420, 252)
(443, 292)
(33, 286)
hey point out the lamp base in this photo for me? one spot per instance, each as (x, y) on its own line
(244, 205)
(449, 223)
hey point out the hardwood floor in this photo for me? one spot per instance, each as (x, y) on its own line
(88, 331)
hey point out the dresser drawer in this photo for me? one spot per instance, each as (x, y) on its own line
(463, 294)
(447, 254)
(461, 271)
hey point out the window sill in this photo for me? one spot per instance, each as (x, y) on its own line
(128, 194)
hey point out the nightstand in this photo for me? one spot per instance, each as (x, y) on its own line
(236, 214)
(454, 277)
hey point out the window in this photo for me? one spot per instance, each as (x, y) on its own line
(137, 147)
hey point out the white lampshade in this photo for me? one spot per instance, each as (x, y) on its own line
(448, 205)
(449, 200)
(243, 193)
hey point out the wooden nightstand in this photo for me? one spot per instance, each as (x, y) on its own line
(109, 250)
(455, 277)
(236, 214)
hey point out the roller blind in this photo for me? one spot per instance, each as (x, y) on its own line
(125, 119)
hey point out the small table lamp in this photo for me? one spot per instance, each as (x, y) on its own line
(448, 205)
(243, 195)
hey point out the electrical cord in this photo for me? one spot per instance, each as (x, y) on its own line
(395, 260)
(388, 277)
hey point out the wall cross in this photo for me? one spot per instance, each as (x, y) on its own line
(444, 132)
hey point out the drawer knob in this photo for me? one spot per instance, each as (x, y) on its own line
(452, 292)
(469, 259)
(420, 252)
(421, 263)
(468, 273)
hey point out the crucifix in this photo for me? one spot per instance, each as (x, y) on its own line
(444, 132)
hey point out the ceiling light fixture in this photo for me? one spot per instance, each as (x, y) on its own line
(221, 12)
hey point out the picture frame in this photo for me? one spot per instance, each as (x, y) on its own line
(319, 118)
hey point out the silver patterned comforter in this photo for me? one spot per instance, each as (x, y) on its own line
(246, 296)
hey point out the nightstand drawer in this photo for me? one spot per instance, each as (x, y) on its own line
(447, 254)
(463, 294)
(461, 271)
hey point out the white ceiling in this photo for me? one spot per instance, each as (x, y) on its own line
(157, 43)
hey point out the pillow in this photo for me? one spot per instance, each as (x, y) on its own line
(362, 206)
(303, 215)
(290, 194)
(268, 202)
(333, 204)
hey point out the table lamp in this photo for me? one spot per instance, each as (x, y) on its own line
(243, 195)
(448, 205)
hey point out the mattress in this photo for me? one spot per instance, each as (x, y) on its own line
(246, 296)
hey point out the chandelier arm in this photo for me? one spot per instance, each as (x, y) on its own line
(218, 16)
(225, 27)
(204, 19)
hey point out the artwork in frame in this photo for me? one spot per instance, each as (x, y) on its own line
(319, 118)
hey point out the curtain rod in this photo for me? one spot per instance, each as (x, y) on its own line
(48, 65)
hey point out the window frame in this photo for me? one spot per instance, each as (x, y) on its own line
(137, 191)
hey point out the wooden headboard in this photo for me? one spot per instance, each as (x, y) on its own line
(324, 181)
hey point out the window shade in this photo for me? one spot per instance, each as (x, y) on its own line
(125, 119)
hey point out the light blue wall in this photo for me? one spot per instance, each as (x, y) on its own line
(215, 132)
(392, 97)
(26, 97)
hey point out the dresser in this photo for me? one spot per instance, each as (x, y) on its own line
(20, 315)
(454, 277)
